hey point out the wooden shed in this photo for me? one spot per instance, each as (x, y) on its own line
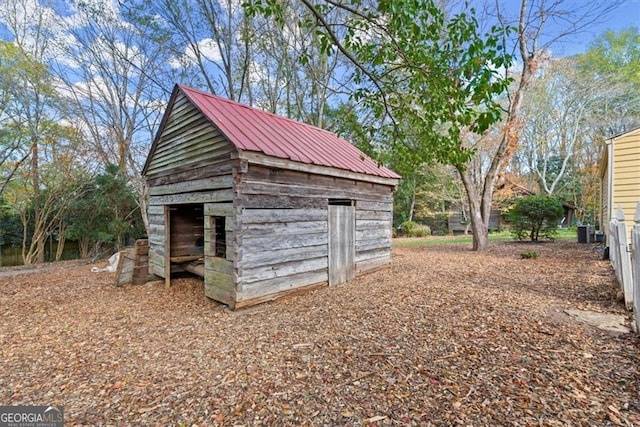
(508, 190)
(620, 177)
(260, 205)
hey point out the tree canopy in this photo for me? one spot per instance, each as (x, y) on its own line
(451, 99)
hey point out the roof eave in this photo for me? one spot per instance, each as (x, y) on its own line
(626, 132)
(258, 158)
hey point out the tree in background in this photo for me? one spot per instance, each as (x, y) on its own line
(107, 216)
(531, 47)
(114, 81)
(14, 151)
(106, 80)
(248, 59)
(10, 227)
(35, 125)
(432, 79)
(429, 79)
(572, 106)
(41, 213)
(613, 63)
(209, 39)
(557, 112)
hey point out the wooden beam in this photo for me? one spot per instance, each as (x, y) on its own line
(167, 247)
(186, 258)
(264, 160)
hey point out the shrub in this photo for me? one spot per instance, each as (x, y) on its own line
(421, 231)
(413, 229)
(438, 222)
(529, 255)
(407, 227)
(535, 216)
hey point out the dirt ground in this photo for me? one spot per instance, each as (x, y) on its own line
(445, 337)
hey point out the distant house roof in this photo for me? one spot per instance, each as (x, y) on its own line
(251, 129)
(629, 131)
(604, 156)
(520, 190)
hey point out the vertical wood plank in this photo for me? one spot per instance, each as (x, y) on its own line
(167, 247)
(341, 244)
(635, 253)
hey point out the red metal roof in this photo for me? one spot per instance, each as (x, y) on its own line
(251, 129)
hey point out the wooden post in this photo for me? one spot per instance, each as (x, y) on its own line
(613, 248)
(140, 262)
(167, 247)
(624, 262)
(635, 256)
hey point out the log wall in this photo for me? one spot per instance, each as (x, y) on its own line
(191, 169)
(275, 218)
(282, 235)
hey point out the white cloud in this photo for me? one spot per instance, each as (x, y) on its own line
(32, 25)
(207, 49)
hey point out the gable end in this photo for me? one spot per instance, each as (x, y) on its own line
(186, 138)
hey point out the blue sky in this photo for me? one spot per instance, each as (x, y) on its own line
(623, 16)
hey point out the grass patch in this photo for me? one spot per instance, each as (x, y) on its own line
(529, 255)
(501, 236)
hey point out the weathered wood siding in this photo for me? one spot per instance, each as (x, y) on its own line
(191, 165)
(275, 213)
(156, 239)
(279, 250)
(282, 229)
(219, 273)
(341, 244)
(188, 140)
(458, 223)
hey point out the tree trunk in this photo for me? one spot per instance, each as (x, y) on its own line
(480, 200)
(412, 203)
(40, 250)
(61, 241)
(83, 247)
(480, 232)
(25, 229)
(142, 190)
(478, 213)
(37, 208)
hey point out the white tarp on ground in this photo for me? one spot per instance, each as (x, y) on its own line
(111, 267)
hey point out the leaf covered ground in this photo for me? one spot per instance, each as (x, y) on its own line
(445, 336)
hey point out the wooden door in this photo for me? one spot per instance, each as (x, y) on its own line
(342, 244)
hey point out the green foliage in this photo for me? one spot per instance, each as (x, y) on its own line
(438, 223)
(413, 229)
(435, 78)
(108, 215)
(616, 54)
(535, 216)
(529, 255)
(426, 77)
(10, 226)
(613, 61)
